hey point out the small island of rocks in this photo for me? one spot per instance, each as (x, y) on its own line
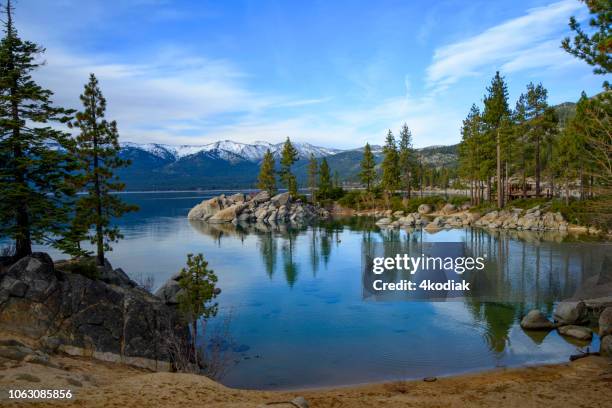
(256, 208)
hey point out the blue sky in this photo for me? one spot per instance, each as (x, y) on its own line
(332, 73)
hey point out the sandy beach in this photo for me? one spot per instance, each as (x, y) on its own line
(585, 383)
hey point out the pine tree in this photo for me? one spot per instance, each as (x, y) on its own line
(406, 158)
(313, 171)
(368, 171)
(195, 300)
(595, 47)
(97, 150)
(34, 166)
(538, 124)
(289, 155)
(390, 166)
(267, 179)
(496, 111)
(469, 152)
(325, 185)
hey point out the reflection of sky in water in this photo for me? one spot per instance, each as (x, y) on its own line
(298, 317)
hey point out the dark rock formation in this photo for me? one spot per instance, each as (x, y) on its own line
(114, 321)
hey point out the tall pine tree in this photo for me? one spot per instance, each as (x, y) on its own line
(97, 150)
(289, 155)
(496, 111)
(406, 158)
(325, 183)
(367, 175)
(390, 166)
(267, 179)
(34, 167)
(313, 171)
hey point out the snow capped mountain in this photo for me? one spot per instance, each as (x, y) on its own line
(229, 150)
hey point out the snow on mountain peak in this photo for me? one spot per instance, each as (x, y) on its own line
(228, 149)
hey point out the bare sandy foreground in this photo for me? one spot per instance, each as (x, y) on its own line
(583, 383)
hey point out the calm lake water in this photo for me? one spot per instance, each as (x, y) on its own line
(298, 313)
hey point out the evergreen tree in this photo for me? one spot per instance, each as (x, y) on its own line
(406, 158)
(97, 150)
(496, 111)
(390, 166)
(313, 171)
(289, 155)
(325, 185)
(34, 168)
(595, 47)
(368, 171)
(540, 121)
(198, 291)
(469, 152)
(267, 179)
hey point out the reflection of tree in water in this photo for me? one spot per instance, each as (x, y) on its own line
(288, 250)
(268, 248)
(314, 251)
(497, 319)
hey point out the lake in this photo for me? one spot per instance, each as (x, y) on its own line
(299, 317)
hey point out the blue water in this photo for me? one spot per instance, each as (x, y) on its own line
(298, 315)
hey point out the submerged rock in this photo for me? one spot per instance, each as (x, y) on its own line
(577, 332)
(536, 320)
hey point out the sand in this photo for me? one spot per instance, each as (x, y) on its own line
(583, 383)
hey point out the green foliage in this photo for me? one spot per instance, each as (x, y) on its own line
(406, 159)
(34, 168)
(267, 179)
(197, 284)
(367, 174)
(97, 152)
(313, 171)
(325, 184)
(289, 155)
(594, 47)
(390, 165)
(413, 204)
(85, 266)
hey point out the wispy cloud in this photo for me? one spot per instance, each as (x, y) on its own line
(529, 41)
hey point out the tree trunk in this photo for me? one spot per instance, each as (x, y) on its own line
(500, 187)
(23, 240)
(537, 167)
(98, 193)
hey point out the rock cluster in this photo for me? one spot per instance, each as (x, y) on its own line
(533, 219)
(108, 319)
(448, 217)
(260, 208)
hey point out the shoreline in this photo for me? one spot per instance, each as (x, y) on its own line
(99, 384)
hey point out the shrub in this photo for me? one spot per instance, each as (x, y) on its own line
(81, 266)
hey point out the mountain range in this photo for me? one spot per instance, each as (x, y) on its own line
(226, 164)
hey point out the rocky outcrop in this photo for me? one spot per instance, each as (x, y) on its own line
(260, 208)
(69, 312)
(536, 320)
(605, 322)
(569, 312)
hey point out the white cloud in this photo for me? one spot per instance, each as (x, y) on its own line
(529, 41)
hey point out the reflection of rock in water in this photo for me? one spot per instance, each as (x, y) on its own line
(537, 336)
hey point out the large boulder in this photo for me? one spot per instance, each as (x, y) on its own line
(83, 316)
(281, 199)
(227, 214)
(570, 312)
(448, 208)
(261, 197)
(424, 209)
(577, 332)
(536, 320)
(605, 322)
(206, 209)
